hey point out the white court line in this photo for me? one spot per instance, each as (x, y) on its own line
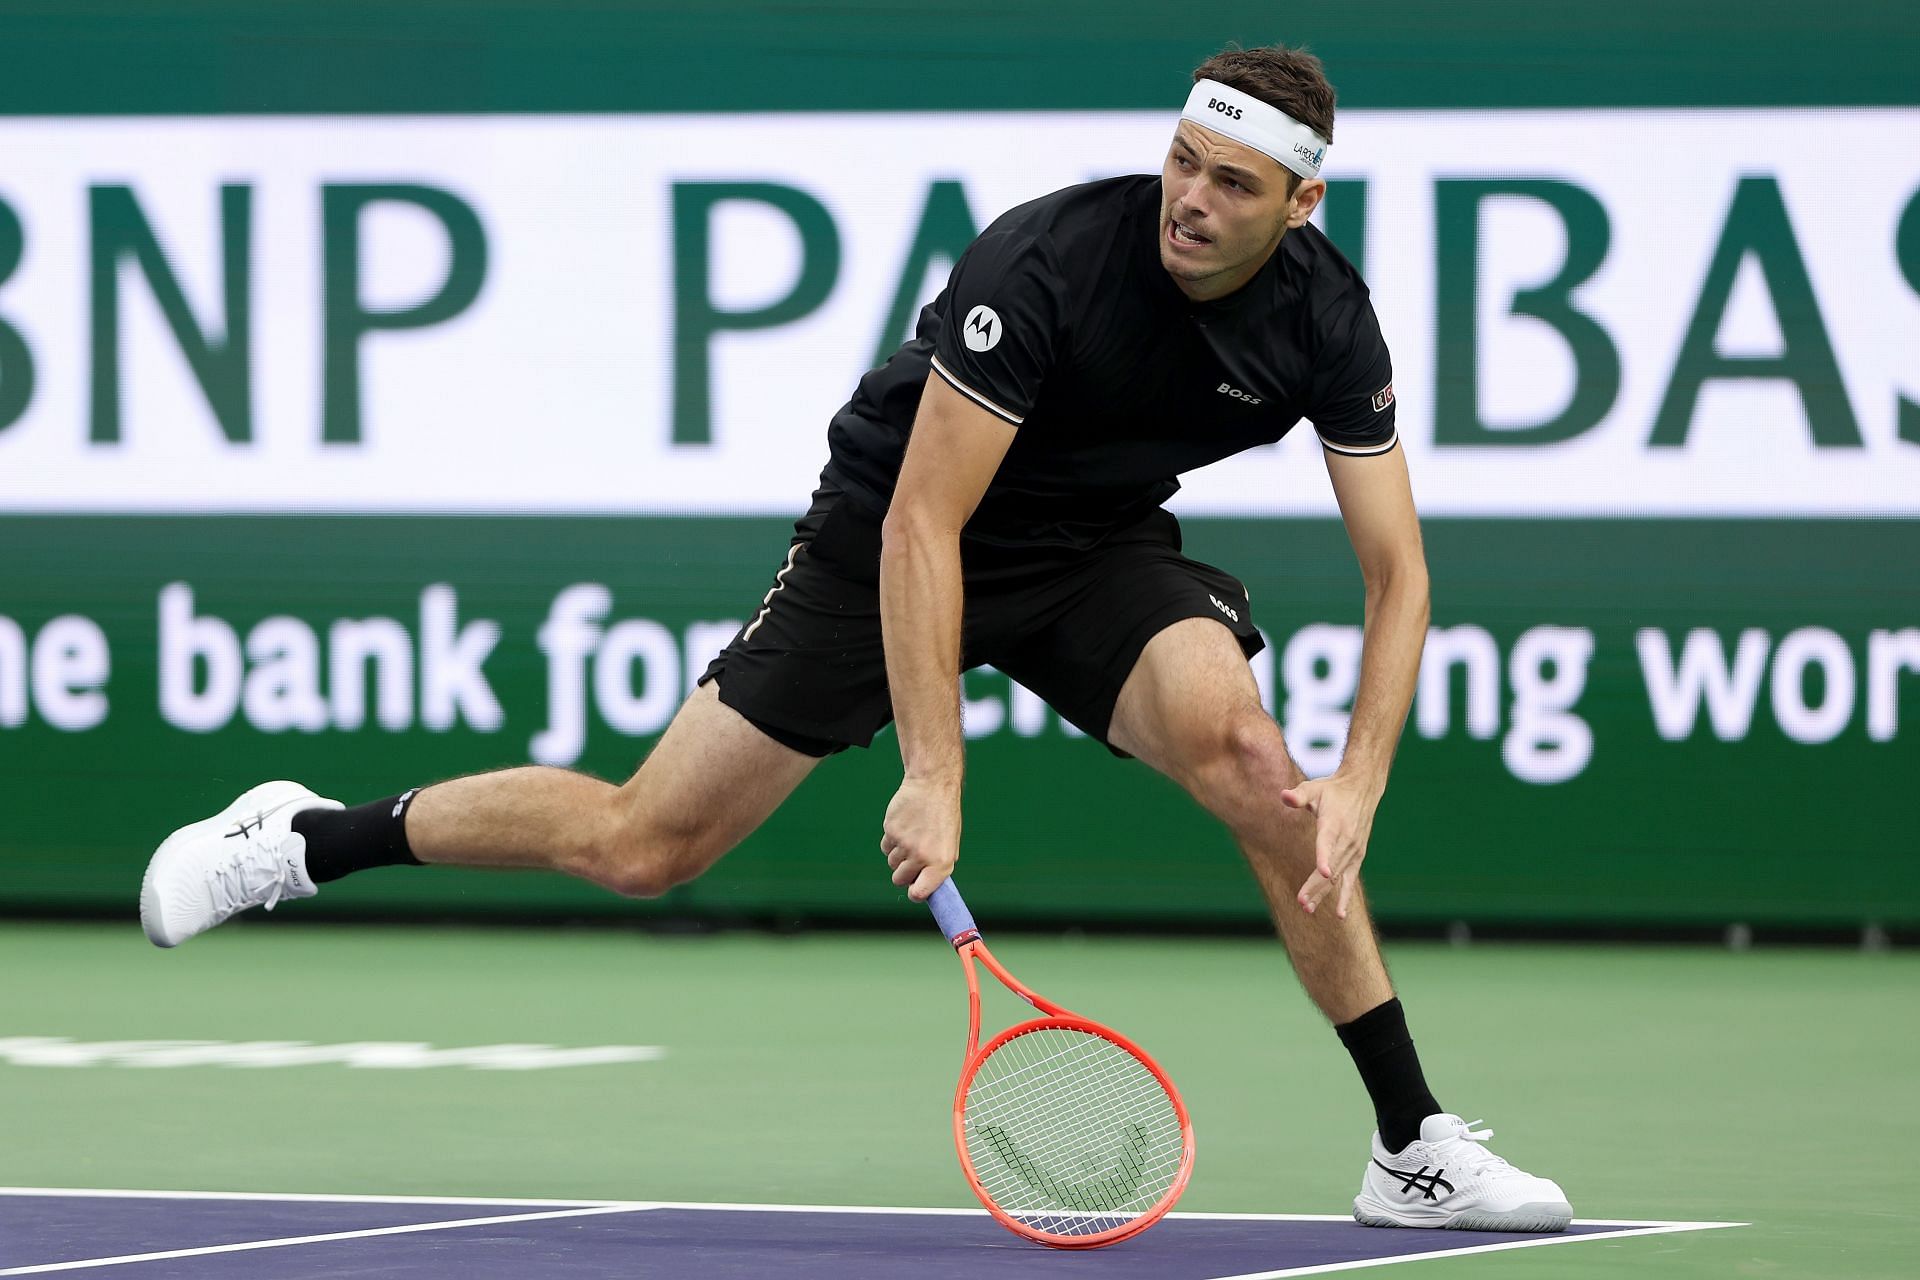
(1664, 1224)
(1624, 1228)
(302, 1197)
(1325, 1268)
(1643, 1226)
(285, 1241)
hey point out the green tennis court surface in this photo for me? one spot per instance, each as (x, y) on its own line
(1770, 1087)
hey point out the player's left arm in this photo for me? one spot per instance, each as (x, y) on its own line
(1376, 502)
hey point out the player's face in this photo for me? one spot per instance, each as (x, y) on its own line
(1223, 210)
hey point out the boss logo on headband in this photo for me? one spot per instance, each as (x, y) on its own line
(1226, 109)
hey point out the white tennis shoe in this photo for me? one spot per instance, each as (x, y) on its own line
(1449, 1179)
(247, 855)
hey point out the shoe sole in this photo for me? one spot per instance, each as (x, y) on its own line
(270, 796)
(1536, 1216)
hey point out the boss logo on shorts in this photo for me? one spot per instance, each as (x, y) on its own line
(982, 329)
(1221, 605)
(1237, 394)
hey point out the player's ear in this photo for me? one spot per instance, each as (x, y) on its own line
(1305, 199)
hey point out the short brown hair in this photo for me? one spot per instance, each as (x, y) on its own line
(1290, 79)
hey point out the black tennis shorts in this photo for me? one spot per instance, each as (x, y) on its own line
(810, 671)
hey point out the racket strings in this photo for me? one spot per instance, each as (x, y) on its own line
(1070, 1132)
(1084, 1143)
(1098, 1097)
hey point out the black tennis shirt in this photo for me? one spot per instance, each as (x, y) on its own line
(1060, 319)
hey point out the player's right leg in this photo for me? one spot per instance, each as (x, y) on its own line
(805, 678)
(713, 779)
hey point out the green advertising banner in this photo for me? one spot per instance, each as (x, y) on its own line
(101, 57)
(1651, 721)
(388, 394)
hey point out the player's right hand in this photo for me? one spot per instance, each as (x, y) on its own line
(921, 834)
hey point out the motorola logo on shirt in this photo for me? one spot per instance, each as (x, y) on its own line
(982, 330)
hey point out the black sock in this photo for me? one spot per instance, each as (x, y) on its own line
(343, 841)
(1383, 1051)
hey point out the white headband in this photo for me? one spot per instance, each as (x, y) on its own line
(1246, 119)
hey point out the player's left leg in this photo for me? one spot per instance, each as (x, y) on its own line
(1190, 709)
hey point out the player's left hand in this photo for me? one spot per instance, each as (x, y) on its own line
(1343, 811)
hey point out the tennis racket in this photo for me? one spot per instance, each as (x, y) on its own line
(1067, 1131)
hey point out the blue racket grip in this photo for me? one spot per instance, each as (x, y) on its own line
(951, 914)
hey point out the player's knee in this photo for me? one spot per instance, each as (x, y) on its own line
(648, 860)
(635, 878)
(1252, 745)
(1241, 762)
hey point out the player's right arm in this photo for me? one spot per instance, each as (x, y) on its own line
(995, 342)
(953, 453)
(1000, 314)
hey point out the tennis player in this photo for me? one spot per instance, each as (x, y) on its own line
(993, 496)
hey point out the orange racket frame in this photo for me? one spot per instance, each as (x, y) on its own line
(951, 913)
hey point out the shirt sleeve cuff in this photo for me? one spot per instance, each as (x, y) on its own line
(967, 391)
(1361, 450)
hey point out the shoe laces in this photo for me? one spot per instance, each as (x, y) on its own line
(1476, 1156)
(239, 879)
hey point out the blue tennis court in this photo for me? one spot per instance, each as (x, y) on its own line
(160, 1236)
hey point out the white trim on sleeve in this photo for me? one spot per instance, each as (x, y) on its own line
(1359, 451)
(971, 394)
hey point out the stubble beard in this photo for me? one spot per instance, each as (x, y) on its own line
(1195, 272)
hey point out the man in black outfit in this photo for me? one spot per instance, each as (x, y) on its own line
(993, 495)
